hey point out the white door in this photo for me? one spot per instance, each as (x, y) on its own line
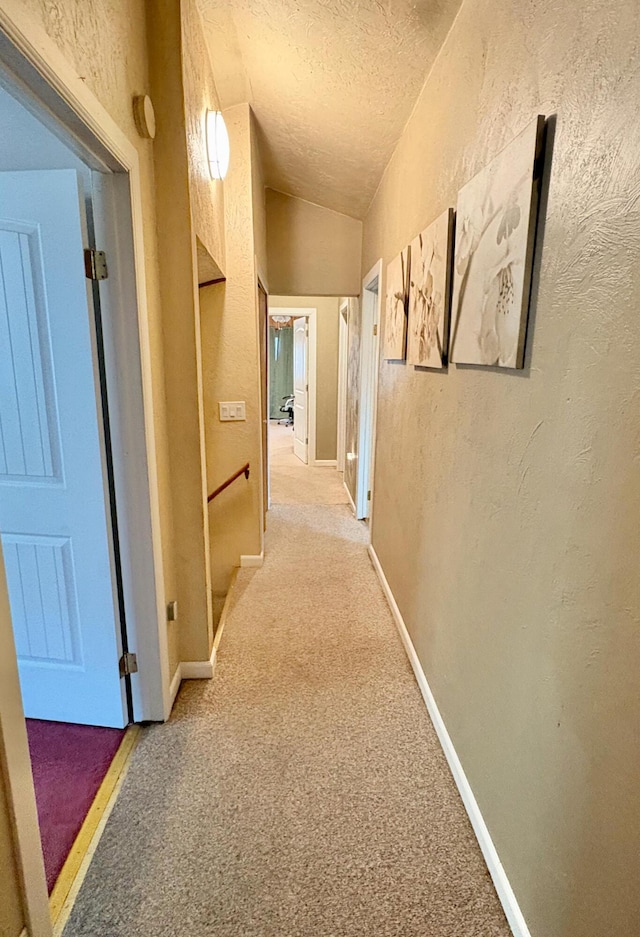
(54, 517)
(301, 388)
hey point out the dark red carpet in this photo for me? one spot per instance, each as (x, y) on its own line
(69, 763)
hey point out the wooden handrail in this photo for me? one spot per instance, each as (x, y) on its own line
(241, 471)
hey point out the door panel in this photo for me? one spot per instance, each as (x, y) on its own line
(300, 388)
(54, 516)
(29, 439)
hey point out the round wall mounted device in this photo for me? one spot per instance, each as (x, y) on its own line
(144, 116)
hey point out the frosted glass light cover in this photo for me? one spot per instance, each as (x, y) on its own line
(217, 145)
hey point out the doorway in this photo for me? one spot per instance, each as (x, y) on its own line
(58, 519)
(292, 381)
(85, 593)
(369, 359)
(304, 351)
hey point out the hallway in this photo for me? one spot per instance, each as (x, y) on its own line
(292, 482)
(303, 791)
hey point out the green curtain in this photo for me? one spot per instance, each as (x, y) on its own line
(280, 369)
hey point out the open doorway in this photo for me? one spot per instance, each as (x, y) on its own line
(368, 391)
(83, 592)
(303, 400)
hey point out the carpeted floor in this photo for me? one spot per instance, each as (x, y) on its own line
(293, 482)
(302, 792)
(69, 763)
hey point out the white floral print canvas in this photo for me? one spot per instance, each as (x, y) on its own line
(397, 299)
(429, 294)
(495, 234)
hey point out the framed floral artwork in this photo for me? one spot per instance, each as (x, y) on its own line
(495, 234)
(429, 290)
(396, 306)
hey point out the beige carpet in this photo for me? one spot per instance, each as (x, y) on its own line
(302, 792)
(293, 482)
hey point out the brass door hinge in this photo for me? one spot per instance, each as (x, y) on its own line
(95, 264)
(128, 664)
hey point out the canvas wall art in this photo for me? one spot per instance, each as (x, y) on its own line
(429, 290)
(396, 306)
(495, 233)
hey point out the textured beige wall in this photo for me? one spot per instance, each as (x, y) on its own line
(229, 322)
(106, 42)
(506, 504)
(176, 212)
(206, 194)
(312, 251)
(328, 326)
(11, 914)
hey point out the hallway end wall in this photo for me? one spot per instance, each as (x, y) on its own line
(327, 322)
(312, 251)
(506, 504)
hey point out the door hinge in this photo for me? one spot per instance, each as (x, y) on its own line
(375, 329)
(306, 387)
(95, 264)
(306, 442)
(369, 495)
(128, 664)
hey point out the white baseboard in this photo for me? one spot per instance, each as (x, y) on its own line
(174, 686)
(202, 669)
(252, 561)
(351, 501)
(507, 898)
(198, 669)
(331, 463)
(225, 608)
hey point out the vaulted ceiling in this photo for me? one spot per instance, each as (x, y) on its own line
(332, 84)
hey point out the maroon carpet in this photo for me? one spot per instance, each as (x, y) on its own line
(69, 763)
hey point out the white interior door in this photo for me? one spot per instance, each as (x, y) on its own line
(301, 388)
(54, 513)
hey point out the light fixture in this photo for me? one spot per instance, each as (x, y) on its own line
(217, 145)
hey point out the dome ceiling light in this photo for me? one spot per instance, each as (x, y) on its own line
(217, 144)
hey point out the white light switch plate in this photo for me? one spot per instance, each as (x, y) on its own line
(232, 410)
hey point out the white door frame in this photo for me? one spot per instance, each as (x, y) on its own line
(311, 315)
(60, 98)
(369, 361)
(343, 361)
(19, 780)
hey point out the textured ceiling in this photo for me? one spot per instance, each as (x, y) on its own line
(332, 84)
